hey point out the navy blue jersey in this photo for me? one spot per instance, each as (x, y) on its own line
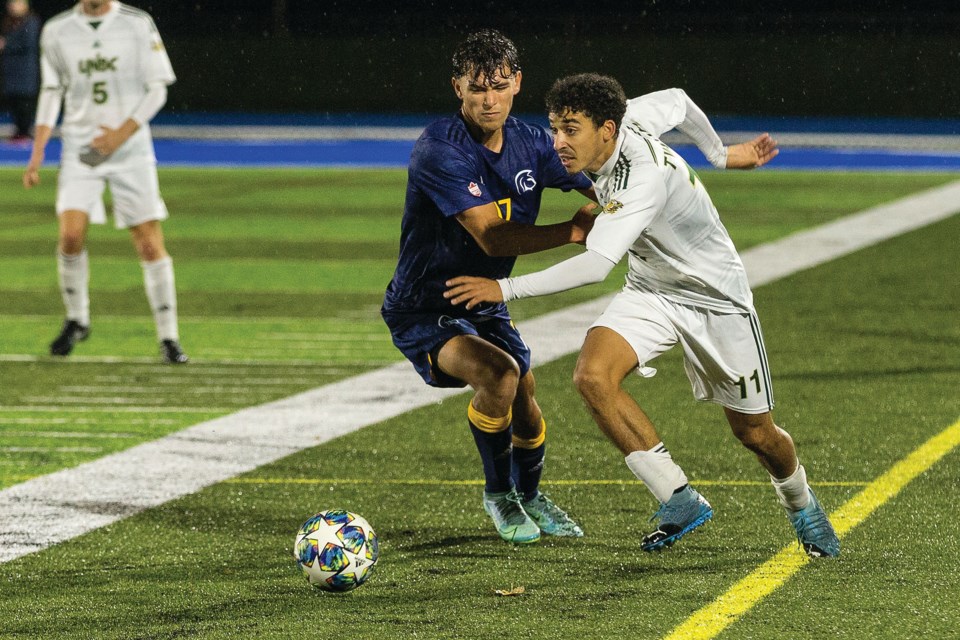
(449, 173)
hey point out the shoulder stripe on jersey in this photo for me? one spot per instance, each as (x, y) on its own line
(621, 172)
(653, 154)
(455, 133)
(133, 12)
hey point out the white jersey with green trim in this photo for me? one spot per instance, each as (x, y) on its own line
(103, 67)
(656, 209)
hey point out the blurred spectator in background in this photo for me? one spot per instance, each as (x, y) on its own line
(20, 46)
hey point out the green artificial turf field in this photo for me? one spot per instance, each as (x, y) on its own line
(280, 275)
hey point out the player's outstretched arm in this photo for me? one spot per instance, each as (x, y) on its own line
(589, 267)
(752, 154)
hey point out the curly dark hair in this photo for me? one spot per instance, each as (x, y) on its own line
(598, 97)
(486, 52)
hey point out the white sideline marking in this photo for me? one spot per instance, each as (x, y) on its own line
(97, 493)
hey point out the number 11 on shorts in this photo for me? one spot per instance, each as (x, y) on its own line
(743, 383)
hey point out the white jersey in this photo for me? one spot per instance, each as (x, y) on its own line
(656, 209)
(103, 69)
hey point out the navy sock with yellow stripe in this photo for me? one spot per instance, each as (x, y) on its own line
(528, 457)
(493, 439)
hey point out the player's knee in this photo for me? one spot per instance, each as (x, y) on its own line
(592, 382)
(71, 242)
(500, 377)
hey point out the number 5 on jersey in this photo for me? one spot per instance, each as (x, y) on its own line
(100, 92)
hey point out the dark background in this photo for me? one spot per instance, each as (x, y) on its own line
(738, 57)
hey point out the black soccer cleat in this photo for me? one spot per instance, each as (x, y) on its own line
(172, 353)
(71, 333)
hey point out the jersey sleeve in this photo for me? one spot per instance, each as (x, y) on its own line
(53, 74)
(627, 214)
(662, 111)
(447, 176)
(657, 112)
(156, 63)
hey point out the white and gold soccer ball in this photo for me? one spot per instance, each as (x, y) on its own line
(336, 550)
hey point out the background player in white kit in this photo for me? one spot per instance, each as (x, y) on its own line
(106, 62)
(685, 284)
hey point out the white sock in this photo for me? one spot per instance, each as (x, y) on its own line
(158, 282)
(794, 492)
(658, 471)
(73, 273)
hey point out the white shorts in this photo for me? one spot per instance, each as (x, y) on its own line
(135, 190)
(724, 355)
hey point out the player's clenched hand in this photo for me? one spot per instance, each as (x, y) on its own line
(471, 291)
(752, 154)
(31, 175)
(582, 223)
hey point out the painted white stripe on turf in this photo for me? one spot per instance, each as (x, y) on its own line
(105, 490)
(806, 249)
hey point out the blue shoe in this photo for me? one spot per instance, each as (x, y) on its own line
(551, 519)
(512, 522)
(684, 512)
(814, 531)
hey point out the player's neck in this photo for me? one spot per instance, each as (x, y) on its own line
(492, 140)
(96, 12)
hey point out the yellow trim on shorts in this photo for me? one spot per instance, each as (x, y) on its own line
(486, 423)
(532, 443)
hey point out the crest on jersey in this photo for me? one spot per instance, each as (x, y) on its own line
(474, 189)
(613, 206)
(525, 181)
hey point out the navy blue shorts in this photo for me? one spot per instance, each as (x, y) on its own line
(420, 336)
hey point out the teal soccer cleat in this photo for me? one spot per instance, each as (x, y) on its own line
(684, 512)
(551, 519)
(814, 531)
(512, 522)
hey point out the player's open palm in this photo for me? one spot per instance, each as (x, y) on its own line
(752, 154)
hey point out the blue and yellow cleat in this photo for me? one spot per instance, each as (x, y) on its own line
(684, 512)
(512, 522)
(814, 531)
(551, 519)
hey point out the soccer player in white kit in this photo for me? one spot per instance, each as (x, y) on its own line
(106, 63)
(685, 285)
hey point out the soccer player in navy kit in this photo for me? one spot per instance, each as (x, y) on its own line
(473, 194)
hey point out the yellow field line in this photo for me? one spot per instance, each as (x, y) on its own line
(478, 482)
(712, 619)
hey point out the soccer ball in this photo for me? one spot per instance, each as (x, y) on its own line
(336, 550)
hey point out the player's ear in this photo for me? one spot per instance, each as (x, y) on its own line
(456, 88)
(516, 85)
(609, 130)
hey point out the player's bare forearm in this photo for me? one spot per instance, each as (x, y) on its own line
(471, 291)
(498, 237)
(752, 154)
